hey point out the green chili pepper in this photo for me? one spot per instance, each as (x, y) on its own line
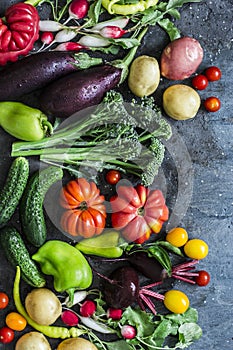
(49, 331)
(105, 245)
(24, 122)
(66, 264)
(114, 7)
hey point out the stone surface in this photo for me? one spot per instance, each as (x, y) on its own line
(209, 198)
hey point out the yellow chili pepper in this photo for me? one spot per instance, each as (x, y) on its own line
(127, 9)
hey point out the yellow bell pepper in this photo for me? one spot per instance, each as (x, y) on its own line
(128, 9)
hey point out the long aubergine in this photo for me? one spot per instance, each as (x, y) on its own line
(38, 70)
(79, 90)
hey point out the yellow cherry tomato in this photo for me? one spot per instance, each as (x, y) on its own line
(15, 321)
(176, 301)
(196, 249)
(178, 236)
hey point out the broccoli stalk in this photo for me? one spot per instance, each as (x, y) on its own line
(114, 134)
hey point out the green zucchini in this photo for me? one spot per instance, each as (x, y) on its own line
(13, 189)
(31, 205)
(18, 255)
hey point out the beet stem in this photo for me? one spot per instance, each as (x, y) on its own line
(148, 303)
(184, 279)
(185, 265)
(152, 294)
(148, 286)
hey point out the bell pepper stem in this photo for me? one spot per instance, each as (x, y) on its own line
(46, 124)
(70, 292)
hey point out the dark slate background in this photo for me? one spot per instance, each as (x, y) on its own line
(207, 192)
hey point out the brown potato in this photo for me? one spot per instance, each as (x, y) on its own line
(144, 76)
(76, 344)
(32, 341)
(181, 102)
(43, 306)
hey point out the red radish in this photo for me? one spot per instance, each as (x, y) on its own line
(69, 46)
(88, 308)
(63, 36)
(77, 10)
(69, 318)
(47, 38)
(115, 314)
(50, 26)
(128, 332)
(93, 41)
(118, 22)
(112, 32)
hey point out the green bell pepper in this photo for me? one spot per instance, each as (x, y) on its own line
(24, 122)
(66, 264)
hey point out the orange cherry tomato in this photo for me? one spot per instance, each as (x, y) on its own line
(176, 301)
(178, 236)
(196, 249)
(15, 321)
(212, 104)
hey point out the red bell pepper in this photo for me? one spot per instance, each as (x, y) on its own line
(138, 212)
(18, 32)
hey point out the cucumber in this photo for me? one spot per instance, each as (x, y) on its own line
(31, 205)
(13, 189)
(18, 255)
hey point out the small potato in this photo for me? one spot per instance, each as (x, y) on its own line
(181, 58)
(32, 341)
(144, 76)
(76, 344)
(181, 102)
(43, 306)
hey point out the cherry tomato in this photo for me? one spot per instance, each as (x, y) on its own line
(113, 176)
(178, 236)
(4, 300)
(6, 335)
(212, 104)
(203, 278)
(200, 82)
(213, 73)
(196, 249)
(15, 321)
(176, 301)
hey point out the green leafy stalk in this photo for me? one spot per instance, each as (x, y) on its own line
(111, 135)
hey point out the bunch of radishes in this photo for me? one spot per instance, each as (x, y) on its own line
(88, 318)
(97, 36)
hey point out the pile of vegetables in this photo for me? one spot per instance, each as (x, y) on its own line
(114, 138)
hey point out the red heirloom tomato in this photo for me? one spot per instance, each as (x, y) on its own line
(86, 213)
(138, 212)
(18, 31)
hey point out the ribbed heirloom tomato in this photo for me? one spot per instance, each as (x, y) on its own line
(138, 212)
(85, 213)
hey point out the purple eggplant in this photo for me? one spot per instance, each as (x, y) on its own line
(79, 90)
(38, 70)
